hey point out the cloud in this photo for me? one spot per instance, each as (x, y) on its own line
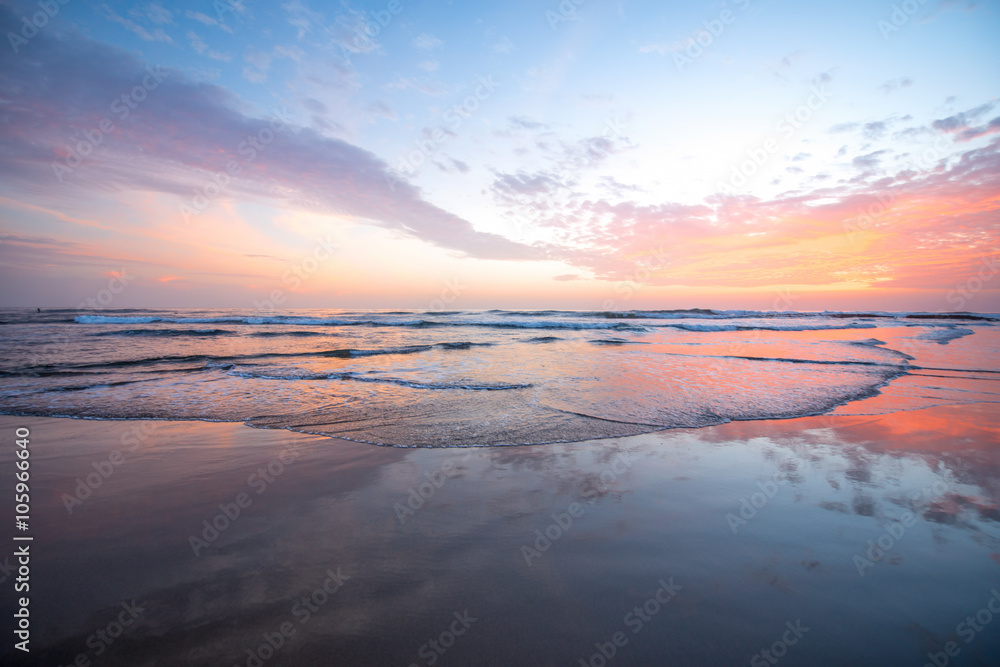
(663, 47)
(183, 133)
(568, 157)
(302, 18)
(792, 58)
(319, 117)
(197, 43)
(963, 124)
(874, 129)
(201, 18)
(871, 130)
(429, 65)
(259, 63)
(380, 108)
(566, 277)
(154, 13)
(941, 215)
(974, 132)
(340, 37)
(201, 48)
(512, 185)
(186, 131)
(893, 85)
(963, 119)
(451, 166)
(427, 87)
(868, 161)
(290, 52)
(314, 105)
(211, 21)
(427, 42)
(783, 67)
(525, 123)
(844, 127)
(504, 46)
(545, 196)
(589, 152)
(157, 35)
(617, 188)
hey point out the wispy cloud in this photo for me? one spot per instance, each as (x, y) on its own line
(156, 35)
(188, 131)
(201, 48)
(893, 85)
(427, 42)
(968, 125)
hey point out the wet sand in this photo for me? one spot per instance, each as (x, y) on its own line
(683, 547)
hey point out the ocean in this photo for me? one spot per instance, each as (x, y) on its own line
(489, 377)
(703, 487)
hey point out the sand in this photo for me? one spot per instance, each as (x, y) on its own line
(193, 543)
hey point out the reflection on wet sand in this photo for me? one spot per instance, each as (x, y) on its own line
(812, 496)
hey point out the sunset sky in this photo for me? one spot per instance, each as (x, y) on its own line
(594, 155)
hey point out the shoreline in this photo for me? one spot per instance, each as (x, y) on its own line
(216, 531)
(876, 392)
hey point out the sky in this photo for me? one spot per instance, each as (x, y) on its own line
(590, 154)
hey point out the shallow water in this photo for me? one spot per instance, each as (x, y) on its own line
(868, 533)
(473, 378)
(550, 549)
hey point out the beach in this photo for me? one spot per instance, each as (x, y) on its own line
(576, 334)
(501, 487)
(734, 535)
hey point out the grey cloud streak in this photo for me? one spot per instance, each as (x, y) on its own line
(60, 86)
